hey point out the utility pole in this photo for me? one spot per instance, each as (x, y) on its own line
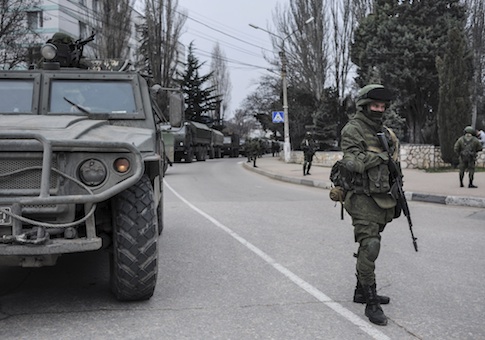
(284, 63)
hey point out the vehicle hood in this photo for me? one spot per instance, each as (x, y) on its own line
(77, 128)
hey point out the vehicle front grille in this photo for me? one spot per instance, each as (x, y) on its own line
(25, 180)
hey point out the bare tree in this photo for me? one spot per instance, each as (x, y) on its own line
(220, 81)
(113, 25)
(361, 8)
(161, 32)
(306, 46)
(17, 35)
(163, 26)
(343, 24)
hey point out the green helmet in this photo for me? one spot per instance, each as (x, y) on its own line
(469, 129)
(373, 92)
(62, 38)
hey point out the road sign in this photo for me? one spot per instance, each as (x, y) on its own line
(278, 117)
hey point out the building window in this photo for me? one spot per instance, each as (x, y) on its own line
(95, 6)
(83, 30)
(35, 20)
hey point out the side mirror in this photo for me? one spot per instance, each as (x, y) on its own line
(176, 109)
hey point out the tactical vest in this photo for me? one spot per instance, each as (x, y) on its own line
(375, 180)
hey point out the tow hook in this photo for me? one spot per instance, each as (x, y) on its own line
(36, 236)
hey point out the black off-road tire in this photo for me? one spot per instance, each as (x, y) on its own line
(134, 266)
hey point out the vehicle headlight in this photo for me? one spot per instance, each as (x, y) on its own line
(49, 51)
(122, 165)
(92, 172)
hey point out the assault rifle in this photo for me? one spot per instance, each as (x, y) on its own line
(396, 177)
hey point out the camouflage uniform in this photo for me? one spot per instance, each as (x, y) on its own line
(368, 203)
(254, 150)
(308, 147)
(467, 147)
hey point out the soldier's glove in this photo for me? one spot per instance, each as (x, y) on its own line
(355, 165)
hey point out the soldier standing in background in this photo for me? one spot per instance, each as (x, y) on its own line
(309, 148)
(368, 201)
(467, 147)
(254, 150)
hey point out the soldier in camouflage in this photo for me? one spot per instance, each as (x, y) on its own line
(467, 147)
(308, 146)
(368, 202)
(253, 150)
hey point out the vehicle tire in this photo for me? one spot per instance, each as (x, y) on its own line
(134, 255)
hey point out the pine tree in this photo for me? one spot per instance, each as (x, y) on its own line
(454, 111)
(199, 97)
(402, 39)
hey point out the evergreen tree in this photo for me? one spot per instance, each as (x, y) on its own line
(454, 112)
(199, 97)
(402, 39)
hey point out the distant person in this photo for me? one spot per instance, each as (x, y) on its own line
(309, 148)
(254, 149)
(466, 147)
(481, 137)
(275, 148)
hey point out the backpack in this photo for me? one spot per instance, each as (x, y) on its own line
(468, 153)
(341, 179)
(340, 176)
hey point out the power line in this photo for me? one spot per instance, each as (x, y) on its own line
(224, 33)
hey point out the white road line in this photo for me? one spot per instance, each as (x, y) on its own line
(320, 296)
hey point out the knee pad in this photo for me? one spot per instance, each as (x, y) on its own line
(372, 248)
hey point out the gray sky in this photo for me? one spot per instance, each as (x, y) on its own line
(227, 21)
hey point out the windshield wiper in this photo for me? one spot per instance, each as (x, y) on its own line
(77, 106)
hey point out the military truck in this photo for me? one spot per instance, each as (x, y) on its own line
(191, 140)
(217, 143)
(231, 146)
(81, 166)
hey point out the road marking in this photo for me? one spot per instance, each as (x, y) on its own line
(337, 307)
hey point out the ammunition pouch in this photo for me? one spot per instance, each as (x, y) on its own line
(379, 179)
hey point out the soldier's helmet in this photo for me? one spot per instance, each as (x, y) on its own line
(61, 38)
(469, 129)
(373, 92)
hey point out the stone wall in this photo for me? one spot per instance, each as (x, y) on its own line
(413, 156)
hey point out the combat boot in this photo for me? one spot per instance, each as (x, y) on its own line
(471, 185)
(308, 169)
(304, 169)
(461, 181)
(359, 296)
(373, 309)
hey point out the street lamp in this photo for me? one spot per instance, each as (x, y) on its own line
(282, 54)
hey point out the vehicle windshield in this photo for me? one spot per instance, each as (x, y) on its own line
(16, 95)
(91, 96)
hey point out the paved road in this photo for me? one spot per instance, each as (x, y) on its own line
(247, 257)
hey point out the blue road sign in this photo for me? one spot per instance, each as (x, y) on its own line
(278, 117)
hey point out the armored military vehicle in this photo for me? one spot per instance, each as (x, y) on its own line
(81, 167)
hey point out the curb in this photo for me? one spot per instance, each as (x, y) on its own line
(475, 202)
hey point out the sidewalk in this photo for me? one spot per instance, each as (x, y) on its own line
(442, 188)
